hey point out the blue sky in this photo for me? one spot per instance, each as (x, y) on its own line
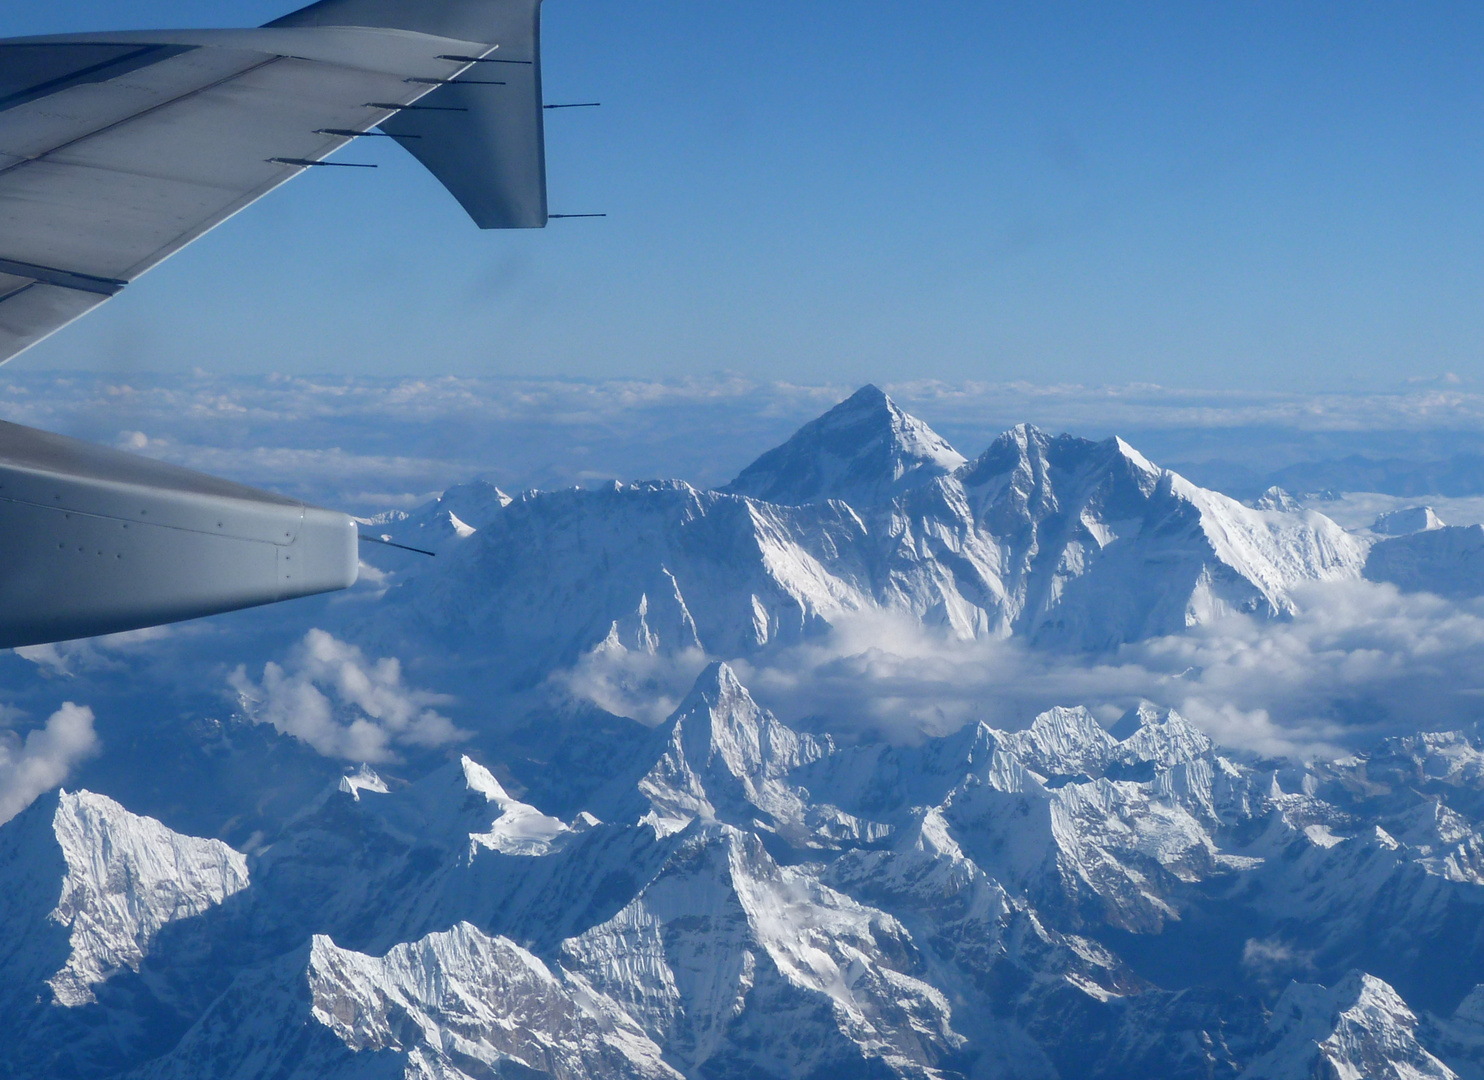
(1263, 195)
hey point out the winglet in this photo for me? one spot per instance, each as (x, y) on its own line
(487, 143)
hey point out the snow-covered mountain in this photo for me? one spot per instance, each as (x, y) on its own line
(1359, 1027)
(717, 894)
(864, 451)
(1447, 560)
(458, 513)
(1404, 522)
(1071, 543)
(1062, 901)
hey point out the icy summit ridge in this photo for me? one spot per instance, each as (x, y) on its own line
(864, 451)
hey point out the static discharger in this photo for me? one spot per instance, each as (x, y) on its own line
(351, 133)
(394, 107)
(305, 163)
(388, 543)
(576, 105)
(559, 217)
(483, 60)
(456, 82)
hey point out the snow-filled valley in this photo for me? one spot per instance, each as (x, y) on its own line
(879, 761)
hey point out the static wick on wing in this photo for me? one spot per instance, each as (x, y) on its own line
(351, 133)
(305, 163)
(483, 60)
(457, 82)
(394, 107)
(389, 543)
(576, 105)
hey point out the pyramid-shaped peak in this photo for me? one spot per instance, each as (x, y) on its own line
(869, 396)
(716, 682)
(864, 451)
(1359, 1021)
(457, 798)
(1145, 714)
(727, 758)
(1138, 460)
(719, 715)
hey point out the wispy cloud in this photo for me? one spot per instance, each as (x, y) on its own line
(329, 695)
(44, 758)
(366, 443)
(645, 686)
(1360, 661)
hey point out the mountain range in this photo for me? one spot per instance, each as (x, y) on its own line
(719, 893)
(1069, 543)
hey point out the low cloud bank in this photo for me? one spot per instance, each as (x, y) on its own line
(1362, 661)
(324, 438)
(329, 695)
(44, 758)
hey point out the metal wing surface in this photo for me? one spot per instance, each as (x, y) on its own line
(118, 149)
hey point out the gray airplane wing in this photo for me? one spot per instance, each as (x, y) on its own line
(118, 149)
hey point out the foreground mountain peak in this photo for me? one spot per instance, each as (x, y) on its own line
(727, 758)
(1359, 1027)
(98, 883)
(863, 451)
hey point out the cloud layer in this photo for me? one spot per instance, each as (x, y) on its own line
(44, 758)
(365, 444)
(1360, 662)
(330, 696)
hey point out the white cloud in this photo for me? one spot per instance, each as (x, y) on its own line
(330, 696)
(1360, 662)
(645, 686)
(44, 758)
(1272, 961)
(323, 439)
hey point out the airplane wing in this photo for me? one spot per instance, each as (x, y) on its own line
(118, 149)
